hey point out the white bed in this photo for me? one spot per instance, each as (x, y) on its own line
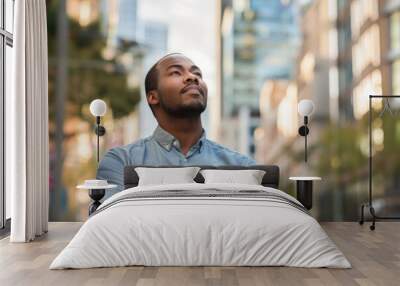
(222, 225)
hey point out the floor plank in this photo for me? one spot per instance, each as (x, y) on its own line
(374, 255)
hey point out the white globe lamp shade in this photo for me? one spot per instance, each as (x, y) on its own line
(98, 107)
(305, 107)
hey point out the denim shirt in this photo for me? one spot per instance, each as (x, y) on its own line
(162, 148)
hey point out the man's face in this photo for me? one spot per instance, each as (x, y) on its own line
(181, 90)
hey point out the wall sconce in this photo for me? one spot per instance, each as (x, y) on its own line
(98, 108)
(305, 109)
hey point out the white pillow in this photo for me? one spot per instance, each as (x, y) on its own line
(248, 177)
(162, 176)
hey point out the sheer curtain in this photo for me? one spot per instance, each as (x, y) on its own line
(27, 166)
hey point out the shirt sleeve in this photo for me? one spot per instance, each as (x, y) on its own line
(249, 162)
(111, 168)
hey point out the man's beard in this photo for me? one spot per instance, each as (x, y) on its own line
(183, 111)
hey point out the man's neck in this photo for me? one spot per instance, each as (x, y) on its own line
(186, 130)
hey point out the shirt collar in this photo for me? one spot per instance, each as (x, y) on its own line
(167, 140)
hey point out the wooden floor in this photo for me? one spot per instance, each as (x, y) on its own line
(374, 255)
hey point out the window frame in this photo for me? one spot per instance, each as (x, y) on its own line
(6, 39)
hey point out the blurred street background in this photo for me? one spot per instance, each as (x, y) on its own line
(259, 59)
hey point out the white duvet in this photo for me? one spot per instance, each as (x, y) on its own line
(183, 231)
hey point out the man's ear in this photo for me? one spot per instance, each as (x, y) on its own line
(152, 98)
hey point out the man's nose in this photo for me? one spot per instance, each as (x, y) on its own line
(190, 77)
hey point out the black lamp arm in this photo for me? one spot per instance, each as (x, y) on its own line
(100, 131)
(303, 131)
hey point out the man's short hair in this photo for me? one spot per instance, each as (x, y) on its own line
(151, 79)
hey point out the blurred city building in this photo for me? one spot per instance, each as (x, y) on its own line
(156, 42)
(350, 48)
(125, 42)
(349, 51)
(316, 62)
(84, 12)
(278, 124)
(369, 50)
(368, 41)
(260, 40)
(309, 80)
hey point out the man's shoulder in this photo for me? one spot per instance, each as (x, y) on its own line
(140, 143)
(223, 150)
(124, 150)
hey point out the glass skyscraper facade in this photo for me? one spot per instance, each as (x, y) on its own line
(260, 41)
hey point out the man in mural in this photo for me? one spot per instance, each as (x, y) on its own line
(177, 95)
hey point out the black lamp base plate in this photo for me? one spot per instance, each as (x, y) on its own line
(303, 130)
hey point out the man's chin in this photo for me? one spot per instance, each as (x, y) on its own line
(188, 111)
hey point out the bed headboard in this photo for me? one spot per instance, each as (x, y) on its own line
(270, 179)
